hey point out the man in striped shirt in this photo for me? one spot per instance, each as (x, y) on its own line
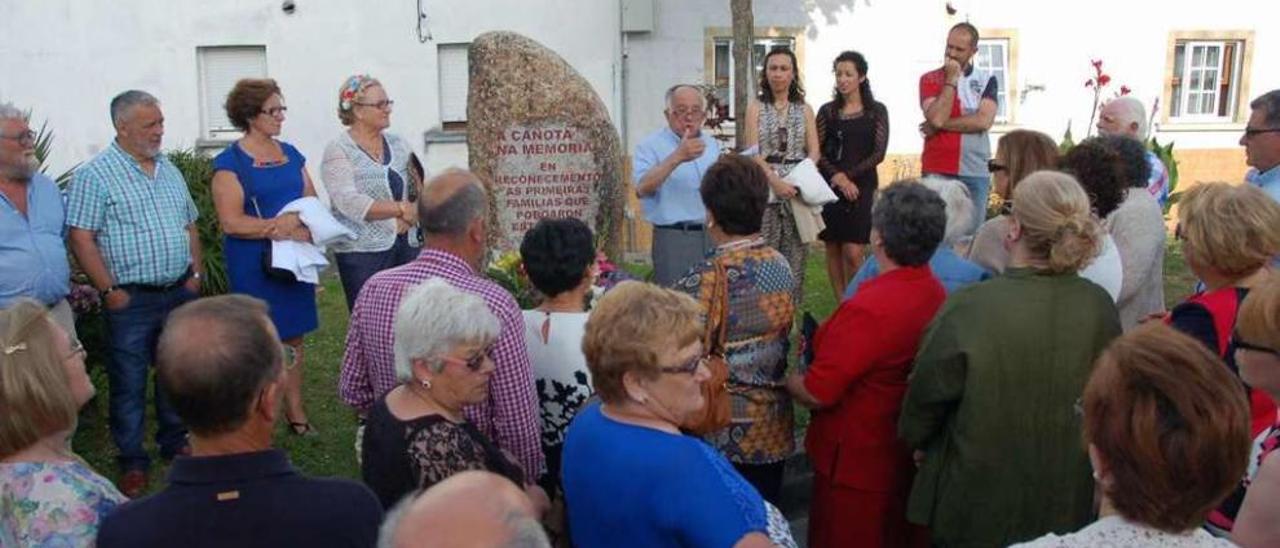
(452, 213)
(132, 229)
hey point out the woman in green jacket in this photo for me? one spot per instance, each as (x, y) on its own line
(991, 405)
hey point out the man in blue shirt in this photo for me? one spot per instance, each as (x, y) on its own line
(1261, 141)
(221, 361)
(132, 228)
(31, 220)
(668, 168)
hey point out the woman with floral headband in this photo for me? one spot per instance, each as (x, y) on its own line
(372, 178)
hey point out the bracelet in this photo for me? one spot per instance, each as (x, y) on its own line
(108, 290)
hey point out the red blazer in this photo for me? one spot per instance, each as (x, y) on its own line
(864, 354)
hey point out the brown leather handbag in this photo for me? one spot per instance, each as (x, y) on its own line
(715, 414)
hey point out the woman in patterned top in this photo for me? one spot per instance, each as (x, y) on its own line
(416, 436)
(782, 126)
(1168, 432)
(48, 496)
(760, 435)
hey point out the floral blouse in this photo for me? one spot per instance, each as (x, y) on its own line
(760, 317)
(53, 504)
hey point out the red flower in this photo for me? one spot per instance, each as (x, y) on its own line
(1124, 90)
(1097, 64)
(1104, 80)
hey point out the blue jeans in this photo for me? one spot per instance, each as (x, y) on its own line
(133, 333)
(356, 267)
(979, 191)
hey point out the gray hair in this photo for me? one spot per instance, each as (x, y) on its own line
(1269, 102)
(10, 112)
(671, 94)
(121, 104)
(453, 215)
(391, 521)
(432, 318)
(959, 206)
(526, 532)
(1133, 112)
(911, 220)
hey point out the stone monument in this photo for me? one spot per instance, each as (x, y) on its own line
(541, 140)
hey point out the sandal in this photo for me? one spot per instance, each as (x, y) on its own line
(303, 429)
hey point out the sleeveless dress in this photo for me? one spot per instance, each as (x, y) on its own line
(292, 304)
(782, 142)
(859, 140)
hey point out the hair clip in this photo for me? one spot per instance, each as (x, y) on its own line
(8, 350)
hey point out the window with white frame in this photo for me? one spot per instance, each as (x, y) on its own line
(993, 57)
(1206, 80)
(724, 79)
(453, 80)
(220, 68)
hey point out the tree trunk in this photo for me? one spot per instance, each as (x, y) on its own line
(743, 73)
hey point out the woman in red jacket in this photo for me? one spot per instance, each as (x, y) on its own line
(862, 472)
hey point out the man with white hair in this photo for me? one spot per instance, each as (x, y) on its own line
(452, 212)
(668, 167)
(132, 227)
(1126, 116)
(31, 225)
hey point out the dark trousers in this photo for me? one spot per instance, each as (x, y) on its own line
(356, 267)
(133, 333)
(766, 478)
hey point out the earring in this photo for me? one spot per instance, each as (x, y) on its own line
(426, 383)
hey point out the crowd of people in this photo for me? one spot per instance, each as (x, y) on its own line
(988, 379)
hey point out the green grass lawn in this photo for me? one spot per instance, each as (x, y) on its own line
(332, 452)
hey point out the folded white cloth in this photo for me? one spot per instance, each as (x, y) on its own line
(814, 189)
(306, 259)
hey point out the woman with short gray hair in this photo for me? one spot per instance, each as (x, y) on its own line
(416, 436)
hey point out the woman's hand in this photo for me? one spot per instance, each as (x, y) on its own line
(845, 186)
(409, 213)
(782, 189)
(284, 227)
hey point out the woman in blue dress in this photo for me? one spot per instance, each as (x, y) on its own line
(253, 180)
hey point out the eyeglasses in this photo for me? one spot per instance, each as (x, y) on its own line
(690, 367)
(380, 105)
(1252, 131)
(1177, 232)
(77, 350)
(474, 363)
(681, 113)
(994, 166)
(275, 111)
(24, 137)
(1241, 344)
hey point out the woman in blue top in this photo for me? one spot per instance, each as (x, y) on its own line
(253, 180)
(630, 477)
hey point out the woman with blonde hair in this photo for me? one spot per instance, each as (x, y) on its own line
(48, 495)
(1019, 153)
(989, 409)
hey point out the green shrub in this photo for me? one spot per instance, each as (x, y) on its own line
(197, 169)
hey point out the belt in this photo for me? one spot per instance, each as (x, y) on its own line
(683, 226)
(148, 288)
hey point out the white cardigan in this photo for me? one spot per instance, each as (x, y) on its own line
(354, 181)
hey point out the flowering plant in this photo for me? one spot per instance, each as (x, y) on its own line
(1100, 80)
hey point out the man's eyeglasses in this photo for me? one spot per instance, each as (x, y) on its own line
(1252, 131)
(994, 166)
(474, 363)
(690, 367)
(694, 112)
(274, 111)
(380, 105)
(27, 136)
(1241, 344)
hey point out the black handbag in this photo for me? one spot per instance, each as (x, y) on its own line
(277, 274)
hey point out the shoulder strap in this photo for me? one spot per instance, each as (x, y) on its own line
(718, 311)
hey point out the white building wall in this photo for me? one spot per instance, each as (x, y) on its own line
(66, 59)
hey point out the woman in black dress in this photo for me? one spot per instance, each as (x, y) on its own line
(853, 130)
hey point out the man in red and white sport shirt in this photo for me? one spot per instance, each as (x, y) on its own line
(959, 104)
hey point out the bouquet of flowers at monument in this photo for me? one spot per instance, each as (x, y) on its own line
(507, 269)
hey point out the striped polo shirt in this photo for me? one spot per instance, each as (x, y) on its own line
(140, 221)
(950, 152)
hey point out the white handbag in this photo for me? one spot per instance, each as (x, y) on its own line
(813, 187)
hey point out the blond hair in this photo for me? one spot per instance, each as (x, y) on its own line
(1232, 229)
(1057, 226)
(1025, 152)
(1259, 319)
(629, 327)
(35, 391)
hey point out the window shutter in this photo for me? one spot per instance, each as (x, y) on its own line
(220, 68)
(454, 79)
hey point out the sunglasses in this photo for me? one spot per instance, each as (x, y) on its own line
(77, 350)
(1250, 132)
(994, 166)
(688, 368)
(1241, 344)
(474, 363)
